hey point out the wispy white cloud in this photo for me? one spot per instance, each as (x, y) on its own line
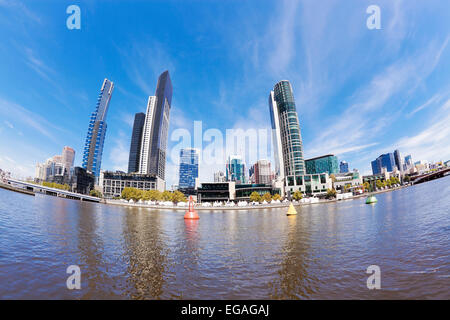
(21, 114)
(9, 124)
(20, 9)
(283, 37)
(38, 65)
(144, 61)
(432, 143)
(430, 102)
(373, 101)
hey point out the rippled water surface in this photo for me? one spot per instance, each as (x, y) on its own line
(322, 253)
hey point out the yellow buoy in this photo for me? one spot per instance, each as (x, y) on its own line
(291, 210)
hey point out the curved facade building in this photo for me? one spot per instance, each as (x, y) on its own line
(93, 147)
(291, 139)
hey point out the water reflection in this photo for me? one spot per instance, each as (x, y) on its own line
(136, 253)
(294, 280)
(145, 255)
(90, 250)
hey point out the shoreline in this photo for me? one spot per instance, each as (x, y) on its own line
(221, 208)
(15, 189)
(249, 207)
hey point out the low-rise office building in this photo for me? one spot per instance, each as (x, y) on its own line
(216, 191)
(243, 191)
(309, 184)
(350, 179)
(384, 175)
(232, 191)
(113, 183)
(327, 163)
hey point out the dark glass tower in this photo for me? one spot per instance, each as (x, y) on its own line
(386, 160)
(160, 126)
(93, 147)
(188, 168)
(135, 146)
(291, 139)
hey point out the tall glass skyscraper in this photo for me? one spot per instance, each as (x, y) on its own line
(156, 129)
(188, 168)
(93, 147)
(282, 106)
(398, 160)
(136, 139)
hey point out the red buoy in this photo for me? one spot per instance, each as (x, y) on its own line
(191, 213)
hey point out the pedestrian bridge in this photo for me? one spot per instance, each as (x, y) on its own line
(430, 176)
(52, 191)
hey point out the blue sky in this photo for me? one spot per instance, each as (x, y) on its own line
(359, 92)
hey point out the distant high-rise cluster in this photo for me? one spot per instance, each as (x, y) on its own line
(388, 162)
(260, 172)
(93, 148)
(235, 169)
(56, 169)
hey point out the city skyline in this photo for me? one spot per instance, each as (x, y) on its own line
(396, 77)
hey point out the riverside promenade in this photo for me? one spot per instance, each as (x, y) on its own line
(199, 207)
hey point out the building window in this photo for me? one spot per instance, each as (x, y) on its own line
(290, 181)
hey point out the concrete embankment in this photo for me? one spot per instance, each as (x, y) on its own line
(15, 189)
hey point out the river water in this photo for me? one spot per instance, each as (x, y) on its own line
(135, 253)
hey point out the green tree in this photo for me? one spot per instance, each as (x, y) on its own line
(331, 193)
(95, 193)
(266, 197)
(178, 197)
(366, 186)
(395, 180)
(154, 195)
(255, 197)
(167, 196)
(276, 196)
(388, 183)
(379, 184)
(132, 193)
(297, 195)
